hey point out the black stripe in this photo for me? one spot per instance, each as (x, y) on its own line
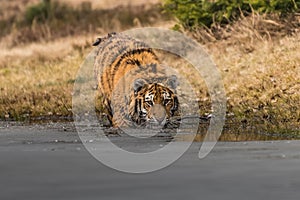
(136, 106)
(132, 52)
(175, 106)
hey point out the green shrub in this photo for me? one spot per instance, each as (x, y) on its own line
(207, 12)
(39, 12)
(47, 10)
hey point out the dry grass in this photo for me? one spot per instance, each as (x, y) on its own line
(40, 81)
(27, 22)
(258, 58)
(261, 73)
(113, 3)
(9, 8)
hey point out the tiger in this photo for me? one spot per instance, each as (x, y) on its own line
(132, 83)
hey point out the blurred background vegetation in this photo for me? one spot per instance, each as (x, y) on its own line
(207, 13)
(255, 44)
(47, 20)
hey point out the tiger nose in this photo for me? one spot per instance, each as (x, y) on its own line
(159, 113)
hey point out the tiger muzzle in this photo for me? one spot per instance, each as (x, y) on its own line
(159, 114)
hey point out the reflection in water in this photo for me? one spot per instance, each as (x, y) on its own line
(232, 131)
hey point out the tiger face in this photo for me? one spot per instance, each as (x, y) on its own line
(153, 104)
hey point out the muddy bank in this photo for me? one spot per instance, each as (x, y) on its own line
(233, 132)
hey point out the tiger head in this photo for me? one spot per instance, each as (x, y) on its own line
(152, 103)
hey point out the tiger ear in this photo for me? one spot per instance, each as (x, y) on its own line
(172, 82)
(138, 85)
(97, 42)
